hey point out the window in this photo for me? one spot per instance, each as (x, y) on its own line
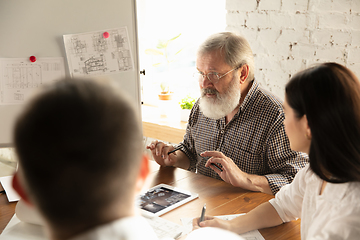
(180, 26)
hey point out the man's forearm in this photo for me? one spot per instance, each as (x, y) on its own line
(182, 160)
(258, 183)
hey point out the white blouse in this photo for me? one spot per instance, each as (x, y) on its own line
(335, 214)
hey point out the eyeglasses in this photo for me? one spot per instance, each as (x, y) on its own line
(212, 76)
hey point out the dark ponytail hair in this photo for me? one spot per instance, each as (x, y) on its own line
(329, 96)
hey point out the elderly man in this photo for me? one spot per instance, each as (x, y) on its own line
(235, 130)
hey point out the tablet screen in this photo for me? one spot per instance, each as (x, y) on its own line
(161, 199)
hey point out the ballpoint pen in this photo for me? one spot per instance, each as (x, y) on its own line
(177, 148)
(214, 164)
(202, 217)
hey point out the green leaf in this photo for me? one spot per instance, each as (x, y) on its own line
(164, 87)
(172, 39)
(187, 102)
(162, 44)
(178, 51)
(154, 52)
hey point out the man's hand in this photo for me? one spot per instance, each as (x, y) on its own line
(160, 154)
(232, 174)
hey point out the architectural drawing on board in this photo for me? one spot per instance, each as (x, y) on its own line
(78, 46)
(123, 59)
(19, 96)
(19, 77)
(22, 76)
(94, 64)
(122, 54)
(99, 43)
(92, 54)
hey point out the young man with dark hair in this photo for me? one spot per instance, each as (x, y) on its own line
(79, 145)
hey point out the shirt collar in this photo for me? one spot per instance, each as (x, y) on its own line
(249, 98)
(335, 192)
(250, 95)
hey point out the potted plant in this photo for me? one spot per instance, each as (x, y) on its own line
(186, 104)
(162, 50)
(165, 93)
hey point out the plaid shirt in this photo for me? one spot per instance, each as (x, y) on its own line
(254, 139)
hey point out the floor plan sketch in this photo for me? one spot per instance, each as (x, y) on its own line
(99, 43)
(78, 47)
(23, 76)
(94, 64)
(92, 54)
(19, 77)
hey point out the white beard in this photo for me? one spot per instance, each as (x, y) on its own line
(222, 104)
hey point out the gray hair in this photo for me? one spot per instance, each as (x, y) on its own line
(236, 50)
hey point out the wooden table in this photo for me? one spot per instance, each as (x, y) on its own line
(220, 198)
(6, 210)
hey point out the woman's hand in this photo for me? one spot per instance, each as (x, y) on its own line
(211, 222)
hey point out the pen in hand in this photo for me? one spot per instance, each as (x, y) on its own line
(202, 217)
(177, 148)
(213, 164)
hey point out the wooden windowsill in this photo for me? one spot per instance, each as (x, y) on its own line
(163, 122)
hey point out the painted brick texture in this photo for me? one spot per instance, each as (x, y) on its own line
(287, 36)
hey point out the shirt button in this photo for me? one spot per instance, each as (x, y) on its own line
(218, 150)
(222, 131)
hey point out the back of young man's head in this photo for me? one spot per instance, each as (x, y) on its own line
(79, 147)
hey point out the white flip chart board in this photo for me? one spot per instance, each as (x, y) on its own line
(36, 28)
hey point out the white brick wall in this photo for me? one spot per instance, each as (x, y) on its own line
(290, 35)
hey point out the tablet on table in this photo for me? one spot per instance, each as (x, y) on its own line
(162, 199)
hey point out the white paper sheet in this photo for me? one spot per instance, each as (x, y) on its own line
(11, 195)
(19, 77)
(252, 235)
(91, 53)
